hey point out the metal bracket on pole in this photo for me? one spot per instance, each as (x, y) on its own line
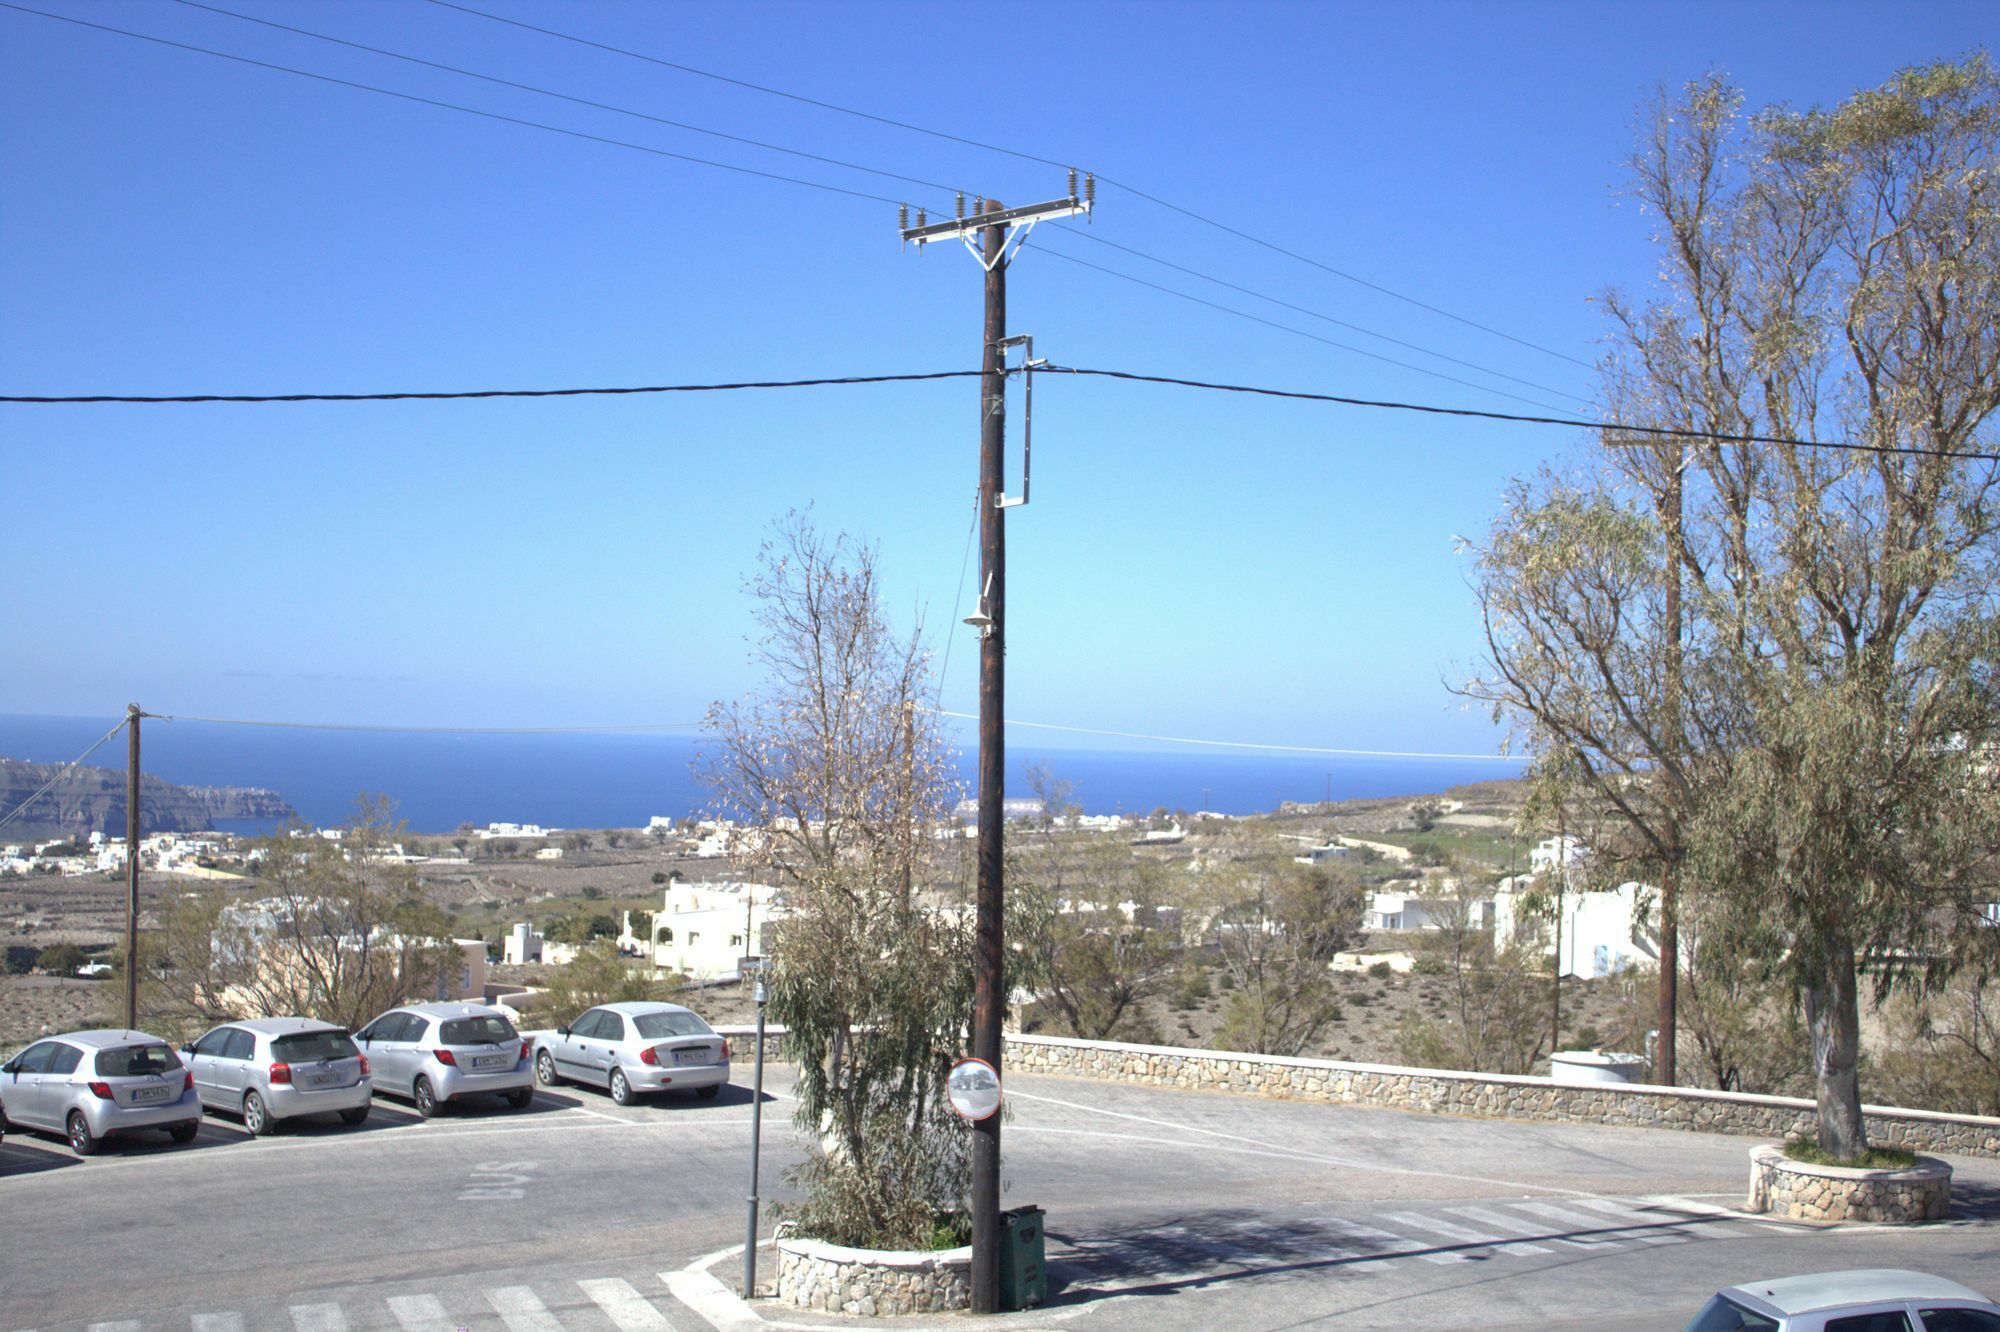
(1025, 341)
(1018, 222)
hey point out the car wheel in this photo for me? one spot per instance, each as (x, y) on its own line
(184, 1133)
(358, 1115)
(545, 1069)
(521, 1099)
(256, 1115)
(621, 1090)
(426, 1099)
(80, 1140)
(708, 1093)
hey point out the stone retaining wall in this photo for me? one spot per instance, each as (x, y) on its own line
(872, 1283)
(1806, 1192)
(1485, 1094)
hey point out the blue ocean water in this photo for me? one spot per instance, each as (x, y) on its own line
(439, 781)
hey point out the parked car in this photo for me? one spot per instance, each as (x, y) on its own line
(273, 1069)
(89, 1085)
(1874, 1300)
(437, 1053)
(633, 1048)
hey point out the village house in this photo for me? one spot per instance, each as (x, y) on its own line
(705, 930)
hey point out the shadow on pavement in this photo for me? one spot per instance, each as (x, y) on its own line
(1974, 1201)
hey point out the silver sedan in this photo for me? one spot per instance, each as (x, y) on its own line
(633, 1048)
(273, 1069)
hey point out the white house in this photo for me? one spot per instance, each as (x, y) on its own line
(1603, 933)
(1554, 851)
(522, 946)
(1425, 907)
(1320, 855)
(704, 930)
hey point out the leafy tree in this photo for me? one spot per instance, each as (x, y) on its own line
(1774, 665)
(598, 975)
(1096, 931)
(1277, 932)
(1496, 997)
(839, 769)
(63, 959)
(22, 959)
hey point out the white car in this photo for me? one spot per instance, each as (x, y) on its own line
(632, 1048)
(1874, 1300)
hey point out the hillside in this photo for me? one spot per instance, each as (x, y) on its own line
(90, 799)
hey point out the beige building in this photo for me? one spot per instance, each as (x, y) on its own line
(704, 930)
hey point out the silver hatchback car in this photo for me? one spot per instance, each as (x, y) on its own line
(1869, 1300)
(437, 1053)
(273, 1069)
(632, 1048)
(88, 1085)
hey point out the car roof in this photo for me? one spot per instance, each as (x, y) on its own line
(284, 1026)
(637, 1006)
(455, 1009)
(105, 1038)
(1820, 1291)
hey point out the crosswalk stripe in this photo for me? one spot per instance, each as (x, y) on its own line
(1354, 1230)
(217, 1322)
(704, 1293)
(1412, 1221)
(318, 1318)
(126, 1325)
(1592, 1225)
(1653, 1218)
(420, 1313)
(1519, 1227)
(625, 1306)
(522, 1310)
(1710, 1209)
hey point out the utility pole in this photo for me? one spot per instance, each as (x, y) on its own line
(132, 715)
(1670, 867)
(1000, 232)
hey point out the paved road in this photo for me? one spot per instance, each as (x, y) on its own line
(1167, 1211)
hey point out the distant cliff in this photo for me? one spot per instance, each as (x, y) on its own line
(88, 800)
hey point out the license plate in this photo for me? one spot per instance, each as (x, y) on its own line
(149, 1094)
(691, 1057)
(322, 1079)
(490, 1061)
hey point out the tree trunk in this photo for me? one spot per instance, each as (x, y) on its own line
(1833, 1016)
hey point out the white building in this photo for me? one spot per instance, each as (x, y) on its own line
(1603, 933)
(1320, 855)
(493, 830)
(522, 946)
(704, 930)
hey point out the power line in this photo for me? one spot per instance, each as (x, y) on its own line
(61, 773)
(631, 728)
(480, 393)
(1299, 332)
(454, 106)
(566, 97)
(1025, 157)
(1241, 744)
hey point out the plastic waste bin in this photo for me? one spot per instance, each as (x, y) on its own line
(1024, 1283)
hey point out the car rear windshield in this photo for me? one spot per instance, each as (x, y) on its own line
(303, 1047)
(662, 1026)
(1721, 1315)
(136, 1061)
(477, 1031)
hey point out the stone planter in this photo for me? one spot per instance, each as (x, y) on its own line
(872, 1283)
(1802, 1191)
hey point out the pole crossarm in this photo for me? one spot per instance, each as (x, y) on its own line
(965, 228)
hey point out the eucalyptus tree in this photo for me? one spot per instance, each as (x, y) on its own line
(1810, 729)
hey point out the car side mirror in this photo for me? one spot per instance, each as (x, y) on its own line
(562, 1031)
(10, 1067)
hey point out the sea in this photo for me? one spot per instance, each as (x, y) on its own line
(439, 781)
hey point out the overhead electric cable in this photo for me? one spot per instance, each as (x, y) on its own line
(633, 727)
(1241, 744)
(566, 97)
(61, 773)
(1025, 157)
(453, 106)
(1299, 332)
(487, 393)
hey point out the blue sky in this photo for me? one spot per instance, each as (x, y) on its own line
(1192, 564)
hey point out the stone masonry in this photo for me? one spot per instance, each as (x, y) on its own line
(1802, 1191)
(872, 1283)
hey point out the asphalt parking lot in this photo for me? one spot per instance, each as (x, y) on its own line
(1166, 1210)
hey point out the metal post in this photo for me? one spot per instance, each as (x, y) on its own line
(989, 998)
(132, 715)
(756, 1143)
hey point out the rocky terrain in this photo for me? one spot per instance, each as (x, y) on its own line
(91, 799)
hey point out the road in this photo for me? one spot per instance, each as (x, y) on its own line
(1166, 1211)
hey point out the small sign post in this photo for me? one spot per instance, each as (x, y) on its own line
(974, 1088)
(759, 968)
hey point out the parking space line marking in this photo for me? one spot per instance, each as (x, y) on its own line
(704, 1293)
(1590, 1225)
(1376, 1167)
(1355, 1230)
(420, 1313)
(522, 1310)
(217, 1322)
(1520, 1227)
(625, 1306)
(318, 1318)
(1412, 1221)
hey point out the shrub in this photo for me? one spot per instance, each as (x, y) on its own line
(659, 876)
(1875, 1158)
(1381, 970)
(62, 959)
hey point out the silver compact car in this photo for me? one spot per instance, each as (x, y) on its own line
(437, 1053)
(633, 1048)
(89, 1085)
(1870, 1300)
(272, 1069)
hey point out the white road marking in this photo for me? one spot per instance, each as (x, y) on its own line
(318, 1318)
(1412, 1221)
(704, 1293)
(218, 1322)
(1519, 1227)
(420, 1313)
(1688, 1203)
(625, 1306)
(1654, 1219)
(1590, 1225)
(522, 1310)
(1355, 1230)
(124, 1325)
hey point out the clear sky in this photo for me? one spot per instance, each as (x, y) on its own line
(1192, 564)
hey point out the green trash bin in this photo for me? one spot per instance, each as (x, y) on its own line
(1024, 1282)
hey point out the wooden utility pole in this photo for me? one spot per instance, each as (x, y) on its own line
(132, 715)
(998, 233)
(1670, 864)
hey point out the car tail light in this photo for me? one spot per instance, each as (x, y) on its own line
(281, 1074)
(526, 1053)
(188, 1085)
(649, 1055)
(725, 1051)
(364, 1066)
(445, 1057)
(102, 1091)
